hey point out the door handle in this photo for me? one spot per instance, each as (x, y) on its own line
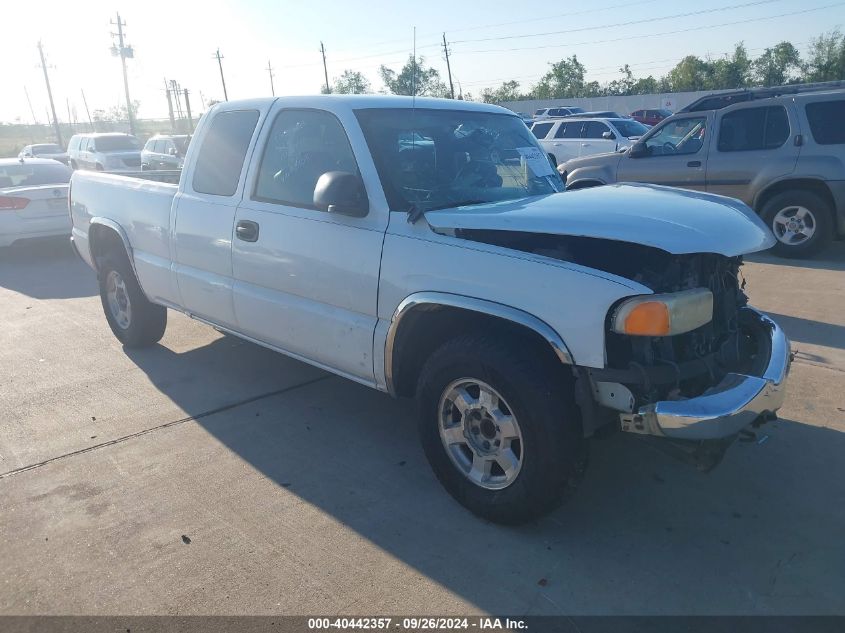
(694, 163)
(247, 230)
(585, 144)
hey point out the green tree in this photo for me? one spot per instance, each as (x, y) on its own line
(826, 57)
(414, 75)
(350, 82)
(564, 79)
(690, 74)
(733, 71)
(508, 91)
(778, 65)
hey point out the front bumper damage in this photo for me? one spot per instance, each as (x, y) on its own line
(722, 411)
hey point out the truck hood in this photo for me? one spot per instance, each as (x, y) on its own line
(672, 220)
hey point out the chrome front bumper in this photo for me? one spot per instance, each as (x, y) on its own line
(723, 410)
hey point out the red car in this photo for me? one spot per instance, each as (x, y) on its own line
(650, 117)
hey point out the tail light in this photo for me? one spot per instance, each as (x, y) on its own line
(12, 203)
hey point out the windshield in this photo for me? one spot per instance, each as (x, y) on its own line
(575, 109)
(46, 149)
(629, 127)
(29, 175)
(456, 157)
(116, 143)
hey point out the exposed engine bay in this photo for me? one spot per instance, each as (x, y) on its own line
(656, 368)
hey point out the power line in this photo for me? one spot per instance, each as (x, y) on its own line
(628, 23)
(646, 65)
(648, 35)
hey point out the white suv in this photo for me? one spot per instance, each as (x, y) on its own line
(105, 152)
(570, 138)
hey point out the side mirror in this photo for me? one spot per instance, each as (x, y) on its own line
(173, 151)
(638, 150)
(608, 135)
(343, 193)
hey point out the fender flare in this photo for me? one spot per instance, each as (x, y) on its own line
(474, 304)
(114, 226)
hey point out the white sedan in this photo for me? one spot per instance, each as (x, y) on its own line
(33, 199)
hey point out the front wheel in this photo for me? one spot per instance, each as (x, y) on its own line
(134, 320)
(801, 221)
(500, 428)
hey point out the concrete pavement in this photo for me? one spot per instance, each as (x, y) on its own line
(297, 492)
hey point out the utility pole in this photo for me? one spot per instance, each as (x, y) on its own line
(69, 117)
(448, 66)
(124, 51)
(188, 110)
(222, 79)
(325, 69)
(169, 106)
(174, 86)
(50, 95)
(87, 111)
(31, 111)
(270, 70)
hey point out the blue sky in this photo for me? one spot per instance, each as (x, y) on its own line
(177, 40)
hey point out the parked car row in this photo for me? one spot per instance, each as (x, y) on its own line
(571, 137)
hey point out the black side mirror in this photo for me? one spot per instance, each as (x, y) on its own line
(173, 151)
(343, 193)
(638, 150)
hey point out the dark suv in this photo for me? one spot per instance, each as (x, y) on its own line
(165, 152)
(780, 152)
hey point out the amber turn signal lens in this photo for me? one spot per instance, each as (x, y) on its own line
(650, 318)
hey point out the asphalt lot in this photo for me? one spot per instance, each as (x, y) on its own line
(303, 493)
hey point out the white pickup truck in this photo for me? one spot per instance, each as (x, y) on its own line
(426, 248)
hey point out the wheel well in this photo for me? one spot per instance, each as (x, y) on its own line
(103, 241)
(584, 184)
(427, 327)
(807, 184)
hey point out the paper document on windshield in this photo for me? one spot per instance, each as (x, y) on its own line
(535, 160)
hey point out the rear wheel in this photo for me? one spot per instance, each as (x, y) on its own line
(802, 223)
(500, 428)
(134, 320)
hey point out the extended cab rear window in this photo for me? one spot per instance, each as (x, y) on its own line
(223, 151)
(826, 122)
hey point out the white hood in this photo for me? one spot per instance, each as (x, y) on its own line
(673, 220)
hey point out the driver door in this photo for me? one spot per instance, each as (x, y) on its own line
(676, 153)
(306, 281)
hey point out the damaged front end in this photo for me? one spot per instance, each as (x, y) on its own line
(700, 381)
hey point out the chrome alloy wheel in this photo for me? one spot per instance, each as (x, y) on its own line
(794, 225)
(480, 433)
(118, 299)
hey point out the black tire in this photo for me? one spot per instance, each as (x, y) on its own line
(552, 450)
(146, 321)
(820, 215)
(99, 167)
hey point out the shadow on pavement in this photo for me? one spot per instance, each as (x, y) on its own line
(645, 534)
(46, 269)
(810, 331)
(831, 258)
